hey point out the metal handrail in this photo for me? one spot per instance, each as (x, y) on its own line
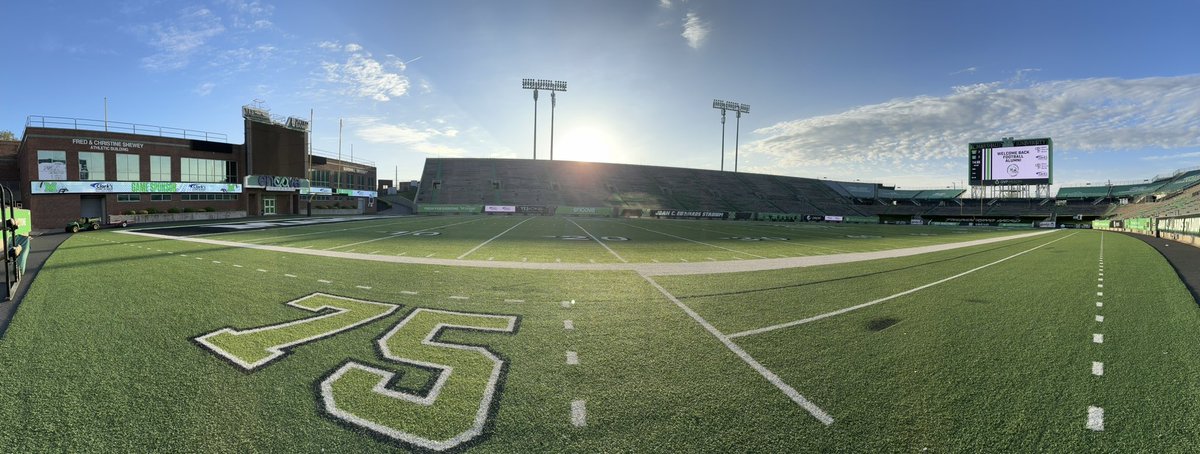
(84, 124)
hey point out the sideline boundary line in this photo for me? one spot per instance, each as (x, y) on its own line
(393, 236)
(787, 389)
(694, 241)
(886, 298)
(492, 238)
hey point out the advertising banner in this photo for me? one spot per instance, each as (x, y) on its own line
(533, 209)
(584, 211)
(499, 209)
(317, 190)
(163, 187)
(833, 219)
(358, 193)
(425, 208)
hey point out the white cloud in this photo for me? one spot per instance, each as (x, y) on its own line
(366, 77)
(420, 137)
(967, 70)
(1172, 157)
(666, 4)
(177, 40)
(1080, 115)
(694, 30)
(204, 89)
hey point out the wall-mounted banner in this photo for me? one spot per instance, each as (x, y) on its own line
(833, 218)
(499, 209)
(276, 183)
(317, 190)
(447, 208)
(92, 187)
(584, 211)
(358, 193)
(689, 214)
(533, 209)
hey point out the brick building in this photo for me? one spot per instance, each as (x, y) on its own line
(66, 168)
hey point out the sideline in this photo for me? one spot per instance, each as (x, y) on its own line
(646, 269)
(1184, 258)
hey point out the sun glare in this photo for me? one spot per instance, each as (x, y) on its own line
(586, 143)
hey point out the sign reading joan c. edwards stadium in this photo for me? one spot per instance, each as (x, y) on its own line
(116, 187)
(689, 214)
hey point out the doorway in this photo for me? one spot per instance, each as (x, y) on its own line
(91, 206)
(268, 206)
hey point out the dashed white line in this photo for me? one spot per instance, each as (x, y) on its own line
(216, 261)
(1095, 418)
(363, 287)
(1099, 285)
(578, 413)
(324, 281)
(1100, 318)
(572, 358)
(408, 292)
(1099, 293)
(568, 325)
(260, 270)
(237, 266)
(1098, 338)
(1099, 304)
(514, 301)
(458, 297)
(290, 275)
(1097, 368)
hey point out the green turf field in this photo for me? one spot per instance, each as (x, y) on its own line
(131, 343)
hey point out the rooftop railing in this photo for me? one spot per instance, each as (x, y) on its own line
(41, 121)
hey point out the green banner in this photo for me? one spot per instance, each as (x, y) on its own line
(1101, 224)
(778, 217)
(861, 219)
(448, 208)
(583, 211)
(1139, 224)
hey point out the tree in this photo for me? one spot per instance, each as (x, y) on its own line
(7, 135)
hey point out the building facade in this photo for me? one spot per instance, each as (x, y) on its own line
(67, 168)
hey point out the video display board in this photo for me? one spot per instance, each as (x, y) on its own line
(1024, 161)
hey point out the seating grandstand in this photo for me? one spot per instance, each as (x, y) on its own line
(477, 181)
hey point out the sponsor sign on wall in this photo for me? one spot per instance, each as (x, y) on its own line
(358, 193)
(448, 208)
(532, 209)
(833, 218)
(317, 190)
(499, 209)
(92, 187)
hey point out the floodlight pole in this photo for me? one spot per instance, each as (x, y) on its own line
(737, 129)
(544, 84)
(722, 140)
(552, 103)
(535, 124)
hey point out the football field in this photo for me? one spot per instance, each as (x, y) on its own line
(350, 337)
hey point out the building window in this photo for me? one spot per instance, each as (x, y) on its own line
(207, 170)
(205, 197)
(129, 197)
(91, 166)
(52, 165)
(160, 197)
(160, 168)
(128, 167)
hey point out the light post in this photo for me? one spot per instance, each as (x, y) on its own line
(542, 84)
(739, 109)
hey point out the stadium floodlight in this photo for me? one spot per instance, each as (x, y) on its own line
(544, 84)
(739, 109)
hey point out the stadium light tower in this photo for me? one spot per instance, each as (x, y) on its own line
(739, 109)
(542, 84)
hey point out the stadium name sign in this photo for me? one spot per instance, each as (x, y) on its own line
(689, 214)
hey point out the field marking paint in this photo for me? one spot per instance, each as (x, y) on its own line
(430, 255)
(492, 238)
(1098, 338)
(578, 413)
(491, 258)
(458, 297)
(402, 254)
(408, 292)
(787, 389)
(410, 233)
(1095, 418)
(1099, 285)
(1097, 368)
(1099, 304)
(1099, 293)
(324, 281)
(886, 298)
(374, 252)
(260, 270)
(568, 325)
(217, 262)
(514, 301)
(1100, 279)
(290, 275)
(566, 304)
(694, 241)
(1100, 318)
(610, 251)
(363, 287)
(572, 358)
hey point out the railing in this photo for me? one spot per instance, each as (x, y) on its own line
(40, 121)
(343, 158)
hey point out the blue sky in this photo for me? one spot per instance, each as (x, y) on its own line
(881, 91)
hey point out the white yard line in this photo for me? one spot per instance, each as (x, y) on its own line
(492, 238)
(409, 233)
(578, 413)
(694, 241)
(787, 389)
(886, 298)
(610, 251)
(1097, 368)
(1095, 418)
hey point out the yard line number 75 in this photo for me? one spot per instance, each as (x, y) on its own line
(453, 410)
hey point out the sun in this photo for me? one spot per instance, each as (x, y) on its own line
(586, 143)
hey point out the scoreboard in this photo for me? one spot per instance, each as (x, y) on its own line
(1021, 161)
